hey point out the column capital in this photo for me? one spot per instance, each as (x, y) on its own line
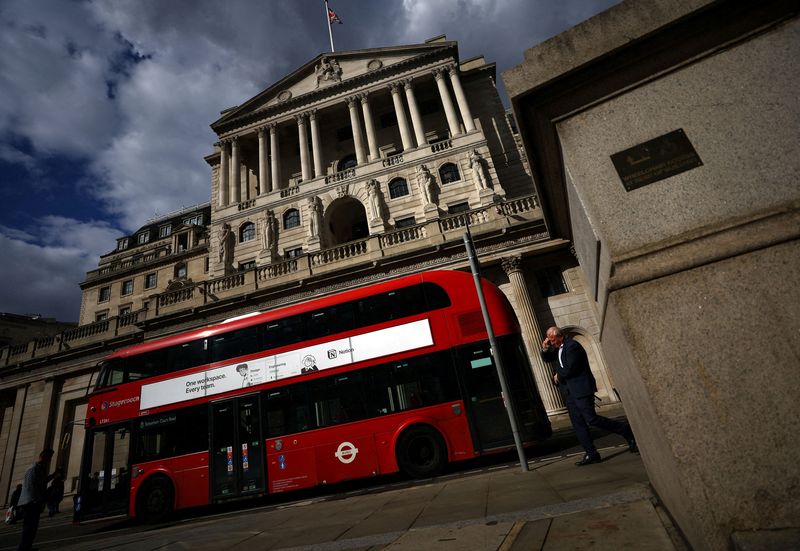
(408, 83)
(352, 101)
(312, 113)
(261, 131)
(300, 118)
(394, 87)
(439, 73)
(511, 264)
(452, 69)
(363, 96)
(273, 127)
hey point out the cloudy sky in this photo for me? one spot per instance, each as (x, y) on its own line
(105, 106)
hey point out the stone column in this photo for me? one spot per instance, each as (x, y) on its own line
(400, 113)
(316, 145)
(449, 109)
(369, 124)
(416, 118)
(532, 334)
(274, 149)
(12, 442)
(263, 171)
(355, 123)
(224, 174)
(461, 99)
(236, 172)
(305, 168)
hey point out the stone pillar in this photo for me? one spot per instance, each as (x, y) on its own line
(355, 123)
(369, 124)
(11, 445)
(461, 99)
(236, 172)
(449, 109)
(274, 149)
(316, 145)
(532, 334)
(400, 113)
(44, 434)
(416, 118)
(224, 174)
(264, 185)
(305, 168)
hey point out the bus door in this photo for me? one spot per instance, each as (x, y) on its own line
(483, 397)
(237, 454)
(105, 483)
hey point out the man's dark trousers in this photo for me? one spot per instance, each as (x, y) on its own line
(582, 415)
(30, 525)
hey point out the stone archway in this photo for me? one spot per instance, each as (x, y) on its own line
(345, 220)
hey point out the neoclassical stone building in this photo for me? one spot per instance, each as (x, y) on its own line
(357, 167)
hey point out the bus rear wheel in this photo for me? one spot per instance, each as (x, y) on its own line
(421, 452)
(154, 503)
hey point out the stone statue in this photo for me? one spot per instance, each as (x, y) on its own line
(425, 183)
(478, 166)
(270, 234)
(315, 220)
(373, 193)
(328, 70)
(226, 240)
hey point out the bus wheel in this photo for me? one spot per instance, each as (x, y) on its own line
(155, 500)
(421, 452)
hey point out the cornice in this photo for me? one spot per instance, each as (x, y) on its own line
(343, 87)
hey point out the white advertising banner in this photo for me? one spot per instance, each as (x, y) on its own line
(337, 353)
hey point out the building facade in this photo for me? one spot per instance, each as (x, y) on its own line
(357, 167)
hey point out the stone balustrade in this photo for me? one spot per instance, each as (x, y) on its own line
(342, 175)
(509, 213)
(393, 160)
(244, 205)
(441, 146)
(289, 191)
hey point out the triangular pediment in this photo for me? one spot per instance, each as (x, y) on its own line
(333, 70)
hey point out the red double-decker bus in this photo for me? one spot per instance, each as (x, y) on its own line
(392, 377)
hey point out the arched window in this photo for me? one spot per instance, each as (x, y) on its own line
(247, 232)
(397, 188)
(449, 173)
(346, 162)
(291, 219)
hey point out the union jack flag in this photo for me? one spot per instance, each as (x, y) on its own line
(333, 18)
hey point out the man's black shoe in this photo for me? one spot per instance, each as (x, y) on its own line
(632, 447)
(588, 460)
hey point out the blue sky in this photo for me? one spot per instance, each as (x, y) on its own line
(105, 106)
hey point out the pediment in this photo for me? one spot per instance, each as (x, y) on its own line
(332, 70)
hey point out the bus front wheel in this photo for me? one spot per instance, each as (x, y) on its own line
(155, 500)
(421, 452)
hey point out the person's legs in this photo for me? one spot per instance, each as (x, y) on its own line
(585, 405)
(30, 525)
(580, 427)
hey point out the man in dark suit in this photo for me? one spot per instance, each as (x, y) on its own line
(576, 382)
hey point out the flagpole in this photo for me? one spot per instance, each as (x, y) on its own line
(328, 20)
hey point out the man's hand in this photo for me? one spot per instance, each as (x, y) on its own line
(545, 344)
(556, 380)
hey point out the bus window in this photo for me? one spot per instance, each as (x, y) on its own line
(282, 332)
(330, 320)
(435, 296)
(112, 372)
(286, 411)
(170, 434)
(235, 343)
(338, 399)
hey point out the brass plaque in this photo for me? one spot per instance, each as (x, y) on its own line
(655, 160)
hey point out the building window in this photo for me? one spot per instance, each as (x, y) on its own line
(180, 270)
(101, 316)
(145, 305)
(249, 265)
(388, 120)
(551, 282)
(398, 188)
(457, 208)
(127, 287)
(405, 222)
(206, 265)
(104, 294)
(196, 220)
(293, 253)
(164, 231)
(449, 173)
(346, 162)
(122, 244)
(247, 232)
(150, 280)
(143, 238)
(291, 219)
(124, 310)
